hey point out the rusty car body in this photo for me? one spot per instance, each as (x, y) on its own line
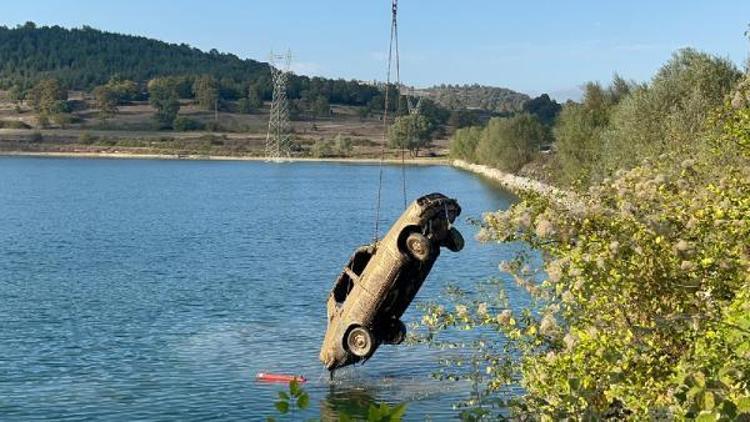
(381, 279)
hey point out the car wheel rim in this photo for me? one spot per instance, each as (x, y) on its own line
(359, 342)
(417, 247)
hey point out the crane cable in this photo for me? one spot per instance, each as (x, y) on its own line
(392, 48)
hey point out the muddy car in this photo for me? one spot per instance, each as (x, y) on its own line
(381, 280)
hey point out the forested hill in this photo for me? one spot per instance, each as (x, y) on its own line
(82, 58)
(501, 100)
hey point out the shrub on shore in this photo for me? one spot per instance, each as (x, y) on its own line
(185, 124)
(505, 143)
(13, 124)
(642, 309)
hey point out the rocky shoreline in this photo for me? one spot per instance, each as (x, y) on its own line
(518, 184)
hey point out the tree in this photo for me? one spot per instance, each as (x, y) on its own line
(162, 95)
(436, 114)
(411, 132)
(206, 92)
(251, 103)
(544, 108)
(323, 148)
(464, 143)
(83, 58)
(321, 107)
(343, 145)
(15, 93)
(509, 143)
(125, 89)
(579, 132)
(106, 100)
(461, 118)
(363, 113)
(48, 97)
(109, 96)
(670, 112)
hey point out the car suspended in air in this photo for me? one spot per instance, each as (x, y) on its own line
(381, 279)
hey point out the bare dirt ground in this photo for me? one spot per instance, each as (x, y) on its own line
(133, 131)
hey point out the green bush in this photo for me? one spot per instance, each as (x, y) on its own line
(213, 126)
(505, 143)
(579, 132)
(323, 148)
(36, 137)
(670, 113)
(64, 119)
(464, 143)
(344, 146)
(184, 124)
(412, 132)
(642, 309)
(509, 143)
(87, 138)
(13, 124)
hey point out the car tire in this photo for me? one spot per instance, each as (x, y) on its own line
(396, 332)
(418, 246)
(359, 342)
(455, 240)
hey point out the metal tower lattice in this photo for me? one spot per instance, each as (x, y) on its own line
(279, 138)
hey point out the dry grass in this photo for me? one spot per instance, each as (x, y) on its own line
(133, 130)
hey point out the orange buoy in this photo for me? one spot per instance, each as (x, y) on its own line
(262, 376)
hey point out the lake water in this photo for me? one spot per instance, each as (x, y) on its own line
(156, 290)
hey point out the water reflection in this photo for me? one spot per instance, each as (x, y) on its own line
(353, 402)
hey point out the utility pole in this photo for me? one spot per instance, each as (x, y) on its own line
(279, 137)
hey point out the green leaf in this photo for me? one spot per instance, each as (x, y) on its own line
(283, 396)
(728, 409)
(706, 416)
(708, 401)
(282, 406)
(397, 413)
(294, 388)
(743, 405)
(700, 379)
(303, 401)
(372, 414)
(376, 413)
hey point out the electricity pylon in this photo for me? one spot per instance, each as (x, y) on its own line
(279, 138)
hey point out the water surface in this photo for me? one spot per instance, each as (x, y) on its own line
(156, 290)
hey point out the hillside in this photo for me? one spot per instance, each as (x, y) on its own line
(85, 57)
(82, 58)
(500, 100)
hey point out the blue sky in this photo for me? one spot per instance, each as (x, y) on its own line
(530, 46)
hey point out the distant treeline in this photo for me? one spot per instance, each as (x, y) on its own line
(83, 58)
(494, 99)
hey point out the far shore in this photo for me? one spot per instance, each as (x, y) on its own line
(126, 155)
